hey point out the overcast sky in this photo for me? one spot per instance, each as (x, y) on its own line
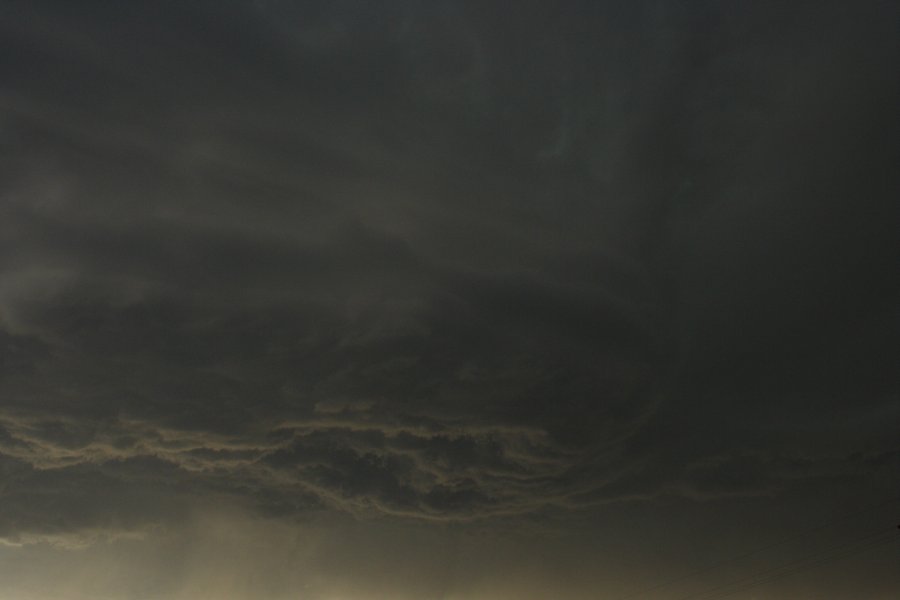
(461, 300)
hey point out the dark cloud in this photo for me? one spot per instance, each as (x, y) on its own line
(445, 264)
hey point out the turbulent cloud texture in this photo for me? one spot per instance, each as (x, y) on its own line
(446, 263)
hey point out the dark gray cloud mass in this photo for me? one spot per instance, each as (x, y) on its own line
(444, 264)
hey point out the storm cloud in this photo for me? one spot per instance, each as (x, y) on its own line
(442, 265)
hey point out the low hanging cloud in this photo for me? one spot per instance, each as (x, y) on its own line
(418, 468)
(303, 259)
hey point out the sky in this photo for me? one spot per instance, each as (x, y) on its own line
(449, 300)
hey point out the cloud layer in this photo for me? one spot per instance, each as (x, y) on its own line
(441, 264)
